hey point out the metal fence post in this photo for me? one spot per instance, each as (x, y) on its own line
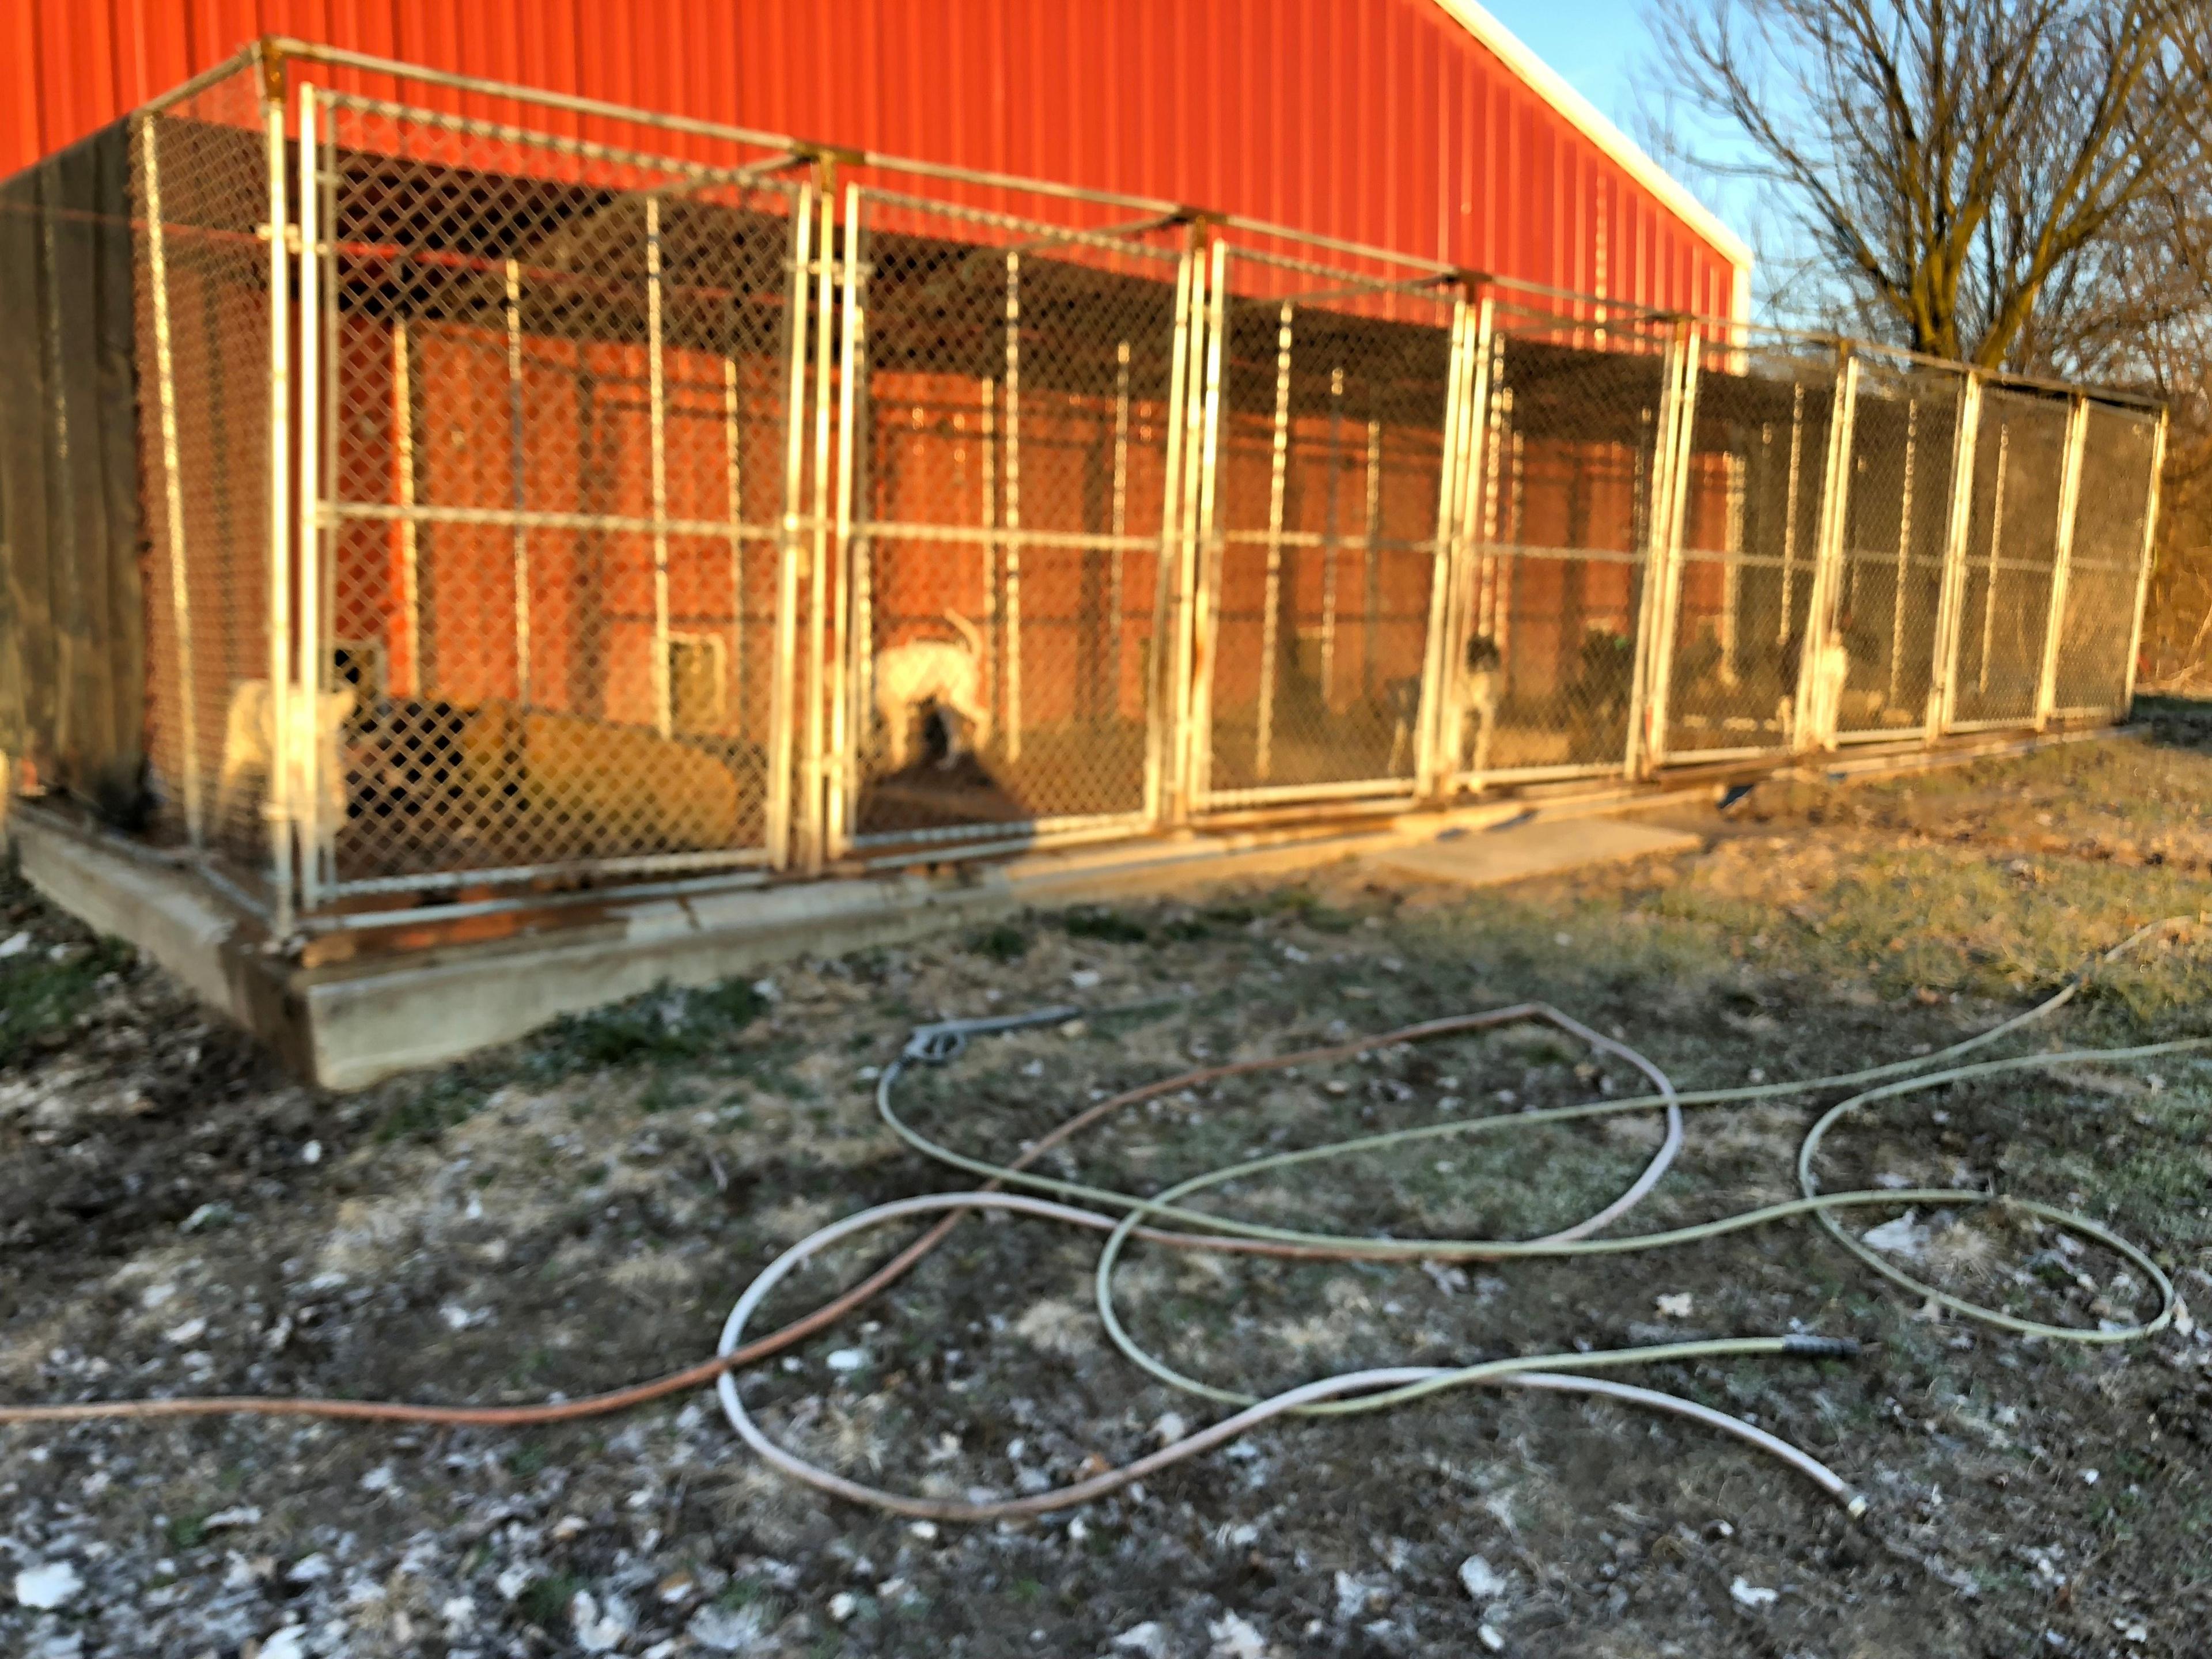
(2142, 568)
(403, 445)
(1654, 664)
(849, 705)
(1943, 673)
(1012, 738)
(276, 802)
(172, 494)
(784, 660)
(2062, 563)
(1167, 691)
(1450, 601)
(812, 805)
(1118, 522)
(309, 718)
(518, 547)
(664, 720)
(1204, 464)
(1278, 482)
(1828, 556)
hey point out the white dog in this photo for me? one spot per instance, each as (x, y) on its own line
(925, 673)
(1480, 676)
(248, 739)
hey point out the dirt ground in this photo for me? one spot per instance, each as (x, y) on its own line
(582, 1209)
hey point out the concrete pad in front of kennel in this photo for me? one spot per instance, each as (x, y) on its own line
(1516, 851)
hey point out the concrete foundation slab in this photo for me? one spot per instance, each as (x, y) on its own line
(355, 998)
(1519, 851)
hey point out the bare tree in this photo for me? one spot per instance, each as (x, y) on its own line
(2013, 183)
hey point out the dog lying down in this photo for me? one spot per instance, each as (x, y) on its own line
(911, 679)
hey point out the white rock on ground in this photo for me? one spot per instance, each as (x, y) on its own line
(1147, 1639)
(1748, 1595)
(727, 1630)
(285, 1644)
(1236, 1638)
(1902, 1236)
(599, 1629)
(1483, 1582)
(50, 1584)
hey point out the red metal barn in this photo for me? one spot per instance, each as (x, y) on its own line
(1416, 126)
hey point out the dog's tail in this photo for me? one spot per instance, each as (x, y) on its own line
(968, 632)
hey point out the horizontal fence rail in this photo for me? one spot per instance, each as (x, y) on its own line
(540, 492)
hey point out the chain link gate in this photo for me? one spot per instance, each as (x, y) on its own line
(1907, 420)
(1566, 495)
(1328, 503)
(559, 385)
(2092, 671)
(2011, 555)
(1009, 419)
(1764, 418)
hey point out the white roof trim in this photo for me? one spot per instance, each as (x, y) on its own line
(1549, 85)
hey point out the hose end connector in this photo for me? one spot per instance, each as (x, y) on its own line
(1806, 1346)
(1854, 1505)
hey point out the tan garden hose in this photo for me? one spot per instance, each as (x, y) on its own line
(1125, 1217)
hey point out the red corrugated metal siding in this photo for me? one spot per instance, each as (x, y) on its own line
(1381, 122)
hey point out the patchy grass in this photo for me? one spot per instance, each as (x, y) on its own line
(47, 983)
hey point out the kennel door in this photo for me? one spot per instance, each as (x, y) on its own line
(1005, 446)
(1334, 402)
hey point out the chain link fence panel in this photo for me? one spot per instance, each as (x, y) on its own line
(1762, 414)
(1896, 533)
(202, 190)
(2012, 549)
(1006, 431)
(558, 408)
(2104, 570)
(1334, 395)
(1562, 516)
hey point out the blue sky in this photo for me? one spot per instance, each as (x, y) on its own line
(1597, 45)
(1605, 49)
